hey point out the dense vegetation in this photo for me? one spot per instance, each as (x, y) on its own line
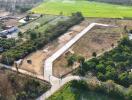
(7, 43)
(85, 90)
(16, 86)
(114, 65)
(123, 2)
(88, 9)
(38, 41)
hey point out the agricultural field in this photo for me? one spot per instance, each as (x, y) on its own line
(37, 22)
(88, 9)
(50, 22)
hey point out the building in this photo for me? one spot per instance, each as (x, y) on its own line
(8, 31)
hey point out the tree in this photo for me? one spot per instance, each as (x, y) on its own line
(20, 34)
(72, 59)
(130, 78)
(94, 54)
(22, 96)
(123, 77)
(111, 74)
(33, 35)
(89, 65)
(100, 68)
(100, 76)
(81, 59)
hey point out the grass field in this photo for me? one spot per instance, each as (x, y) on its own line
(40, 21)
(67, 92)
(89, 9)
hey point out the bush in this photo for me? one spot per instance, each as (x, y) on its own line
(38, 42)
(113, 65)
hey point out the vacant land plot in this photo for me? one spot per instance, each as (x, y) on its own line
(88, 9)
(39, 56)
(97, 40)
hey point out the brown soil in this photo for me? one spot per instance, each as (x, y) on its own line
(97, 40)
(39, 56)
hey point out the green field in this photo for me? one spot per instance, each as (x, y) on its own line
(89, 9)
(67, 92)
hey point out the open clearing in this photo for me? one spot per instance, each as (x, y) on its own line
(88, 9)
(40, 56)
(98, 40)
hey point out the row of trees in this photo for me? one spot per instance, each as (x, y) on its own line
(26, 87)
(123, 2)
(75, 58)
(7, 43)
(38, 41)
(31, 90)
(109, 88)
(114, 65)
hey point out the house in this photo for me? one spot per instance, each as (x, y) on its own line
(8, 31)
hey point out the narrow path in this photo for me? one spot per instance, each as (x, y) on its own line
(48, 64)
(23, 71)
(48, 74)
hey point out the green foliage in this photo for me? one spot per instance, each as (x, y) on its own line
(79, 84)
(88, 9)
(33, 88)
(22, 96)
(17, 52)
(113, 65)
(71, 59)
(7, 43)
(36, 41)
(23, 9)
(33, 35)
(20, 34)
(100, 68)
(123, 77)
(78, 90)
(100, 76)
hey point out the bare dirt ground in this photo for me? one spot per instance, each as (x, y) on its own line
(39, 57)
(11, 22)
(97, 40)
(3, 13)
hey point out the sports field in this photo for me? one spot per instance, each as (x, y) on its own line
(88, 9)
